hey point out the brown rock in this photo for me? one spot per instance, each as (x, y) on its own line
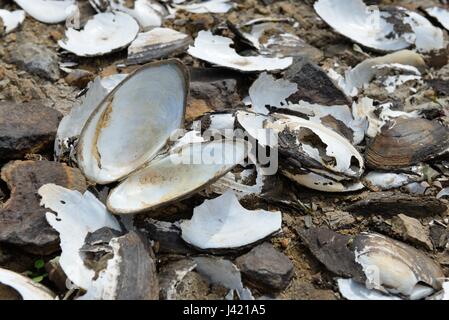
(79, 78)
(411, 230)
(26, 128)
(22, 219)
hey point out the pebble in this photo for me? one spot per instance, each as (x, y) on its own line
(36, 59)
(411, 229)
(266, 268)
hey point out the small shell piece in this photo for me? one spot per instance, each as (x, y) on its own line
(148, 13)
(11, 19)
(27, 288)
(77, 215)
(442, 15)
(156, 43)
(104, 33)
(208, 6)
(222, 223)
(217, 50)
(47, 11)
(352, 290)
(267, 91)
(176, 175)
(133, 122)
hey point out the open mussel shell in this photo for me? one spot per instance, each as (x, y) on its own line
(394, 267)
(133, 122)
(47, 11)
(176, 175)
(24, 286)
(403, 142)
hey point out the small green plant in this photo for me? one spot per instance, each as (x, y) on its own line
(38, 273)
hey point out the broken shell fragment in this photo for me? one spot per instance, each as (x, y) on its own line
(394, 267)
(11, 19)
(76, 215)
(442, 15)
(217, 50)
(267, 91)
(364, 25)
(222, 223)
(138, 116)
(315, 181)
(47, 11)
(207, 6)
(225, 273)
(26, 287)
(148, 13)
(362, 74)
(104, 33)
(129, 275)
(404, 142)
(316, 146)
(173, 176)
(156, 43)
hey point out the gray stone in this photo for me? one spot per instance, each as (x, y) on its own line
(36, 59)
(411, 230)
(26, 128)
(339, 219)
(266, 268)
(22, 219)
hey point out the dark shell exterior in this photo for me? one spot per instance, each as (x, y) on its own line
(406, 141)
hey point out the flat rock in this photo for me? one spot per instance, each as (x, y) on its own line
(411, 230)
(266, 268)
(314, 85)
(394, 203)
(339, 219)
(22, 219)
(333, 251)
(26, 128)
(36, 59)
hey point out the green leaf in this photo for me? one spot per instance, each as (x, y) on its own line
(38, 279)
(39, 264)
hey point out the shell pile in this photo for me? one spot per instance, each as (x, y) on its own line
(218, 144)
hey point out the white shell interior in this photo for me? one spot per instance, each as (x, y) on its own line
(133, 123)
(72, 124)
(26, 287)
(104, 33)
(442, 15)
(176, 175)
(77, 215)
(217, 50)
(148, 13)
(223, 223)
(315, 181)
(365, 25)
(212, 6)
(266, 90)
(11, 19)
(47, 11)
(352, 290)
